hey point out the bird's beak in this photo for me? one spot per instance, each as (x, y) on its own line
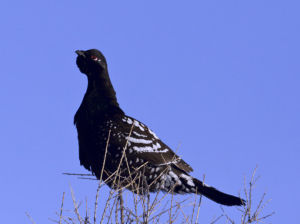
(80, 53)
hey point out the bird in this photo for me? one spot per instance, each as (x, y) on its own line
(113, 145)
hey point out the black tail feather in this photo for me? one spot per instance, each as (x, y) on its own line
(217, 196)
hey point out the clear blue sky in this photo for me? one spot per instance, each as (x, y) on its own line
(220, 78)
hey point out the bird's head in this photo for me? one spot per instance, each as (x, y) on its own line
(91, 62)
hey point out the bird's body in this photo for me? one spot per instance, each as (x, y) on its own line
(145, 163)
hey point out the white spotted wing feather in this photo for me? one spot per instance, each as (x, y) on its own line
(147, 146)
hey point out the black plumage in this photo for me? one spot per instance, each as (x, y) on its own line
(147, 159)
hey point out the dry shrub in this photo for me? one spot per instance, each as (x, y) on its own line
(143, 208)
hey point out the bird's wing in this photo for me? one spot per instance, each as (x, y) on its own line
(143, 143)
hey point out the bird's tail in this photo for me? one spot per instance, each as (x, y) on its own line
(217, 196)
(188, 184)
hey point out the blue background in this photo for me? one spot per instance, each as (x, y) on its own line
(219, 78)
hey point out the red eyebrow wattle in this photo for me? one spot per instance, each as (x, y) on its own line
(94, 57)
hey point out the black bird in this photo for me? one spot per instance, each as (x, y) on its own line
(147, 162)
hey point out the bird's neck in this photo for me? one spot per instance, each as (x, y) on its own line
(101, 91)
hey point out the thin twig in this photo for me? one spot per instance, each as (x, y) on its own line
(121, 207)
(75, 205)
(100, 179)
(200, 200)
(61, 207)
(170, 216)
(30, 218)
(77, 174)
(216, 219)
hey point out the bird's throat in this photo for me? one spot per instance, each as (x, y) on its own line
(100, 90)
